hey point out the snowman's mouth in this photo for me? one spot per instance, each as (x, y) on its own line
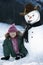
(30, 21)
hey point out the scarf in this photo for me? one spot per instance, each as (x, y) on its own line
(15, 45)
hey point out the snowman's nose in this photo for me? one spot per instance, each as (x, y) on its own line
(30, 17)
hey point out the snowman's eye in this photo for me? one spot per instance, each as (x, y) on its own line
(33, 15)
(28, 15)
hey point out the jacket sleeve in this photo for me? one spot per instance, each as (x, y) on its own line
(5, 42)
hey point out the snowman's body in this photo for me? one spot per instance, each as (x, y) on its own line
(36, 39)
(35, 33)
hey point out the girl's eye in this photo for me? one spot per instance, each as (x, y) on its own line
(32, 15)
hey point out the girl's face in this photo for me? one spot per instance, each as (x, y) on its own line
(12, 34)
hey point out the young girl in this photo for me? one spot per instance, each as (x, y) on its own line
(13, 44)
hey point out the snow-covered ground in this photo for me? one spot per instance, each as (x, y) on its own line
(30, 59)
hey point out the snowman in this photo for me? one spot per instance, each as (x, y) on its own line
(35, 29)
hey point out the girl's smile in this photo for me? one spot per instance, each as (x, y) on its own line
(12, 34)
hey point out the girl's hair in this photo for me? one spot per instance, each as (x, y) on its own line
(8, 36)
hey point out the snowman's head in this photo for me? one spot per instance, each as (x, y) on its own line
(31, 13)
(32, 17)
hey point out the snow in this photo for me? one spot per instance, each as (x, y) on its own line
(30, 59)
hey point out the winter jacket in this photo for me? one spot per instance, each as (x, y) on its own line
(8, 48)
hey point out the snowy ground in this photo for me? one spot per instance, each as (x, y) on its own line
(30, 59)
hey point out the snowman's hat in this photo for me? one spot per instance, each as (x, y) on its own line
(28, 8)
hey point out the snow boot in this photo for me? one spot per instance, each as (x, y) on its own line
(22, 55)
(17, 57)
(5, 58)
